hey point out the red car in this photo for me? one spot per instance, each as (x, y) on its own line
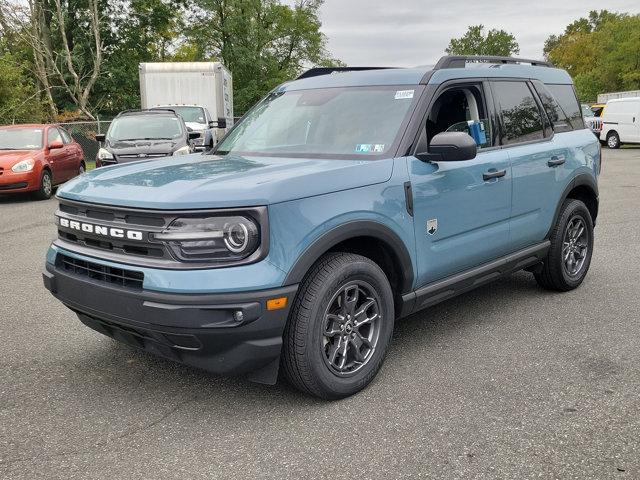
(35, 158)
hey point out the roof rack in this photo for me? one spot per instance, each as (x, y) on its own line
(460, 61)
(318, 71)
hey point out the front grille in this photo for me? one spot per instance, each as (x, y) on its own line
(102, 273)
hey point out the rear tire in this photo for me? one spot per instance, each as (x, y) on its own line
(613, 140)
(569, 256)
(46, 186)
(339, 328)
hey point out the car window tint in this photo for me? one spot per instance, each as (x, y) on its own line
(65, 136)
(554, 112)
(53, 136)
(521, 119)
(565, 95)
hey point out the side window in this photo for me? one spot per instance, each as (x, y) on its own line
(462, 109)
(555, 113)
(66, 138)
(521, 119)
(53, 136)
(565, 95)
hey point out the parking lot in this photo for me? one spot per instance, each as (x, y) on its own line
(508, 381)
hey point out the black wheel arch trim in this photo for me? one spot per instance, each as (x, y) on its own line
(347, 231)
(583, 179)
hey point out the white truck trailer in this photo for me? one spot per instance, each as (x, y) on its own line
(605, 97)
(202, 92)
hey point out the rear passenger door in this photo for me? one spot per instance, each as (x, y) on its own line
(538, 158)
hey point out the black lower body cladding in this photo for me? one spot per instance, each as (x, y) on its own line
(227, 334)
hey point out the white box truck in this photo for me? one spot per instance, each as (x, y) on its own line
(201, 92)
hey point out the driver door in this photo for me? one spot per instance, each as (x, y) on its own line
(462, 209)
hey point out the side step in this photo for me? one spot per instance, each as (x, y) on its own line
(454, 285)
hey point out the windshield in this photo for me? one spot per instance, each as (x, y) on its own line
(145, 127)
(332, 122)
(190, 114)
(20, 138)
(586, 111)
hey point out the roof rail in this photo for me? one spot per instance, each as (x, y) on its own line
(459, 61)
(317, 71)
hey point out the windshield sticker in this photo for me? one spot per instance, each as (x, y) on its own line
(404, 94)
(370, 148)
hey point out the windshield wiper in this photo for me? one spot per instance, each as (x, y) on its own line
(6, 148)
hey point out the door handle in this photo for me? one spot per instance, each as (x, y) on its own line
(556, 160)
(493, 174)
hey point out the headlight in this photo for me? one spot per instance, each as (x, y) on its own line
(104, 154)
(211, 239)
(23, 166)
(182, 151)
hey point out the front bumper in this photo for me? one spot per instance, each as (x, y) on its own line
(19, 182)
(201, 330)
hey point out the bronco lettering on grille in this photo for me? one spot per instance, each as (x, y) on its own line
(100, 229)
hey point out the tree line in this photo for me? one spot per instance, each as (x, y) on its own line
(600, 51)
(68, 59)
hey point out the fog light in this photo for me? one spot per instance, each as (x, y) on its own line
(238, 316)
(276, 303)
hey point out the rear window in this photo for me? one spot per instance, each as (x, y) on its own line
(521, 117)
(565, 95)
(554, 112)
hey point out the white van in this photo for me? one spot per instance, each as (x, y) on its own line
(621, 122)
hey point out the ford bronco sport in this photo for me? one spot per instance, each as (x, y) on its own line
(339, 204)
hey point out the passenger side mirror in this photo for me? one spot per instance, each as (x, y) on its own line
(193, 135)
(56, 145)
(450, 147)
(100, 137)
(221, 123)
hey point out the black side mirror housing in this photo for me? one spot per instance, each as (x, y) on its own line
(101, 137)
(193, 135)
(450, 147)
(221, 123)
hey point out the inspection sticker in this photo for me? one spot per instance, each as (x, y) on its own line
(363, 148)
(402, 94)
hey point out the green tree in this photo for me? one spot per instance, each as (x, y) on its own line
(601, 53)
(475, 42)
(262, 42)
(19, 100)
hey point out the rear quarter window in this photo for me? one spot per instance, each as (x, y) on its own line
(565, 95)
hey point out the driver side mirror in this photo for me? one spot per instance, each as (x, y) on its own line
(221, 123)
(193, 135)
(55, 145)
(100, 137)
(450, 147)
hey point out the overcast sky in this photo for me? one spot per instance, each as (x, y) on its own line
(416, 32)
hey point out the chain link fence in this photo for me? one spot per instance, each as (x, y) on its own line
(85, 134)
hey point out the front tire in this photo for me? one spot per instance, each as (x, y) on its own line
(613, 140)
(339, 328)
(569, 256)
(46, 186)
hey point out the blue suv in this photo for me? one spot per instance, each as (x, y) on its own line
(343, 201)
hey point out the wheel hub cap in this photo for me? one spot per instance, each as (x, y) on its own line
(351, 328)
(575, 246)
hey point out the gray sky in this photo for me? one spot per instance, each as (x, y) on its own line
(416, 32)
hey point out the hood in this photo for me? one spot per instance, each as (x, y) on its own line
(8, 158)
(196, 127)
(207, 181)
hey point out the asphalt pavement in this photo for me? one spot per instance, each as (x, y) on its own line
(508, 381)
